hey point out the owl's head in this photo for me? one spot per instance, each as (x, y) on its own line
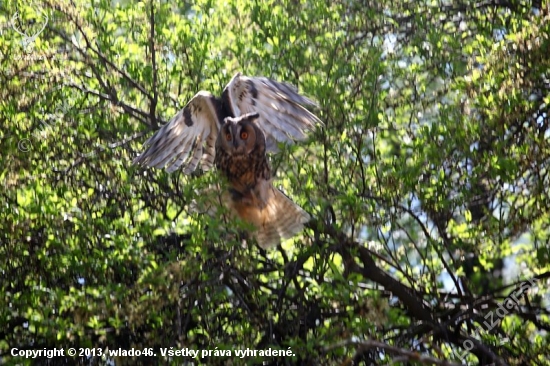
(241, 135)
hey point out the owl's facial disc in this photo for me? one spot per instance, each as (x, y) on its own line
(239, 134)
(231, 133)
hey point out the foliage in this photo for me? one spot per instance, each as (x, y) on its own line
(428, 183)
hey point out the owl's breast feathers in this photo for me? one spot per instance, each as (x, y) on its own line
(252, 197)
(243, 171)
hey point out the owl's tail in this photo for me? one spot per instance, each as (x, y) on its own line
(281, 220)
(275, 216)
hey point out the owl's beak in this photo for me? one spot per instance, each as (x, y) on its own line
(234, 133)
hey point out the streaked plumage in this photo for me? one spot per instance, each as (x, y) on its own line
(234, 133)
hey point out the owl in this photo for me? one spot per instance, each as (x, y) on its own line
(234, 133)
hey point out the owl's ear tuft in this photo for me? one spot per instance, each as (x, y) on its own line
(252, 116)
(228, 120)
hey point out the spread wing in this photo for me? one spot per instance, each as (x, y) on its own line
(283, 117)
(189, 137)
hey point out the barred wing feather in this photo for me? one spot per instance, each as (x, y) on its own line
(283, 116)
(188, 139)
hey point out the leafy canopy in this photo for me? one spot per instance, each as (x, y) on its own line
(428, 184)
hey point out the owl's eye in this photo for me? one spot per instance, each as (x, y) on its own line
(244, 135)
(228, 136)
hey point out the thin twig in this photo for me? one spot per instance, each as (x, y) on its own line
(154, 100)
